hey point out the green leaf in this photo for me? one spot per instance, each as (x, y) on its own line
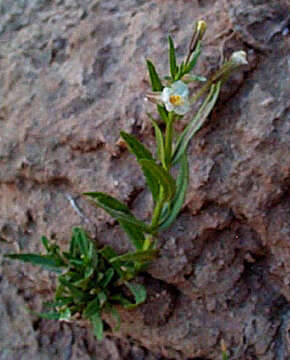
(163, 113)
(134, 145)
(58, 303)
(117, 210)
(102, 298)
(107, 277)
(120, 299)
(117, 317)
(159, 141)
(158, 174)
(82, 241)
(144, 255)
(92, 308)
(172, 59)
(141, 153)
(98, 326)
(46, 261)
(151, 182)
(178, 200)
(52, 315)
(135, 234)
(154, 78)
(196, 123)
(139, 293)
(45, 243)
(108, 253)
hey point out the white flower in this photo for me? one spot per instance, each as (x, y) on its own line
(175, 98)
(239, 58)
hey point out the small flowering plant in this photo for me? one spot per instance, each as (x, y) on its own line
(93, 279)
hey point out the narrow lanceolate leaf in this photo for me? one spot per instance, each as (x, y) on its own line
(82, 241)
(117, 210)
(196, 123)
(46, 261)
(160, 142)
(135, 234)
(152, 183)
(107, 277)
(178, 200)
(172, 58)
(45, 243)
(117, 317)
(159, 174)
(98, 326)
(92, 308)
(134, 145)
(154, 78)
(144, 255)
(52, 315)
(141, 152)
(139, 293)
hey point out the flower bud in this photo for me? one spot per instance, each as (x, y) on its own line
(239, 58)
(201, 28)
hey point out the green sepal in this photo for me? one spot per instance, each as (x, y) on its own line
(160, 175)
(178, 200)
(154, 78)
(196, 123)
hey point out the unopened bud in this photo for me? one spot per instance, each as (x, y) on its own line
(239, 58)
(223, 346)
(201, 28)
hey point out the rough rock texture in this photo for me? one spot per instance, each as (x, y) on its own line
(72, 75)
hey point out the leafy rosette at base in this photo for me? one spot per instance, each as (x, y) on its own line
(91, 280)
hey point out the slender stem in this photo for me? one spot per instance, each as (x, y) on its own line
(158, 209)
(168, 155)
(168, 140)
(221, 74)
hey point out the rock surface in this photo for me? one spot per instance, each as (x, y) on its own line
(72, 75)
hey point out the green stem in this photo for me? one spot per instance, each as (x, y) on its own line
(158, 209)
(168, 140)
(220, 75)
(168, 157)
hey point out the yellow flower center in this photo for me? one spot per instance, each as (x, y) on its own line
(176, 100)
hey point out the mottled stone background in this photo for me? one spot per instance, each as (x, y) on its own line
(72, 75)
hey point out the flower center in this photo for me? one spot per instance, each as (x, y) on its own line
(176, 100)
